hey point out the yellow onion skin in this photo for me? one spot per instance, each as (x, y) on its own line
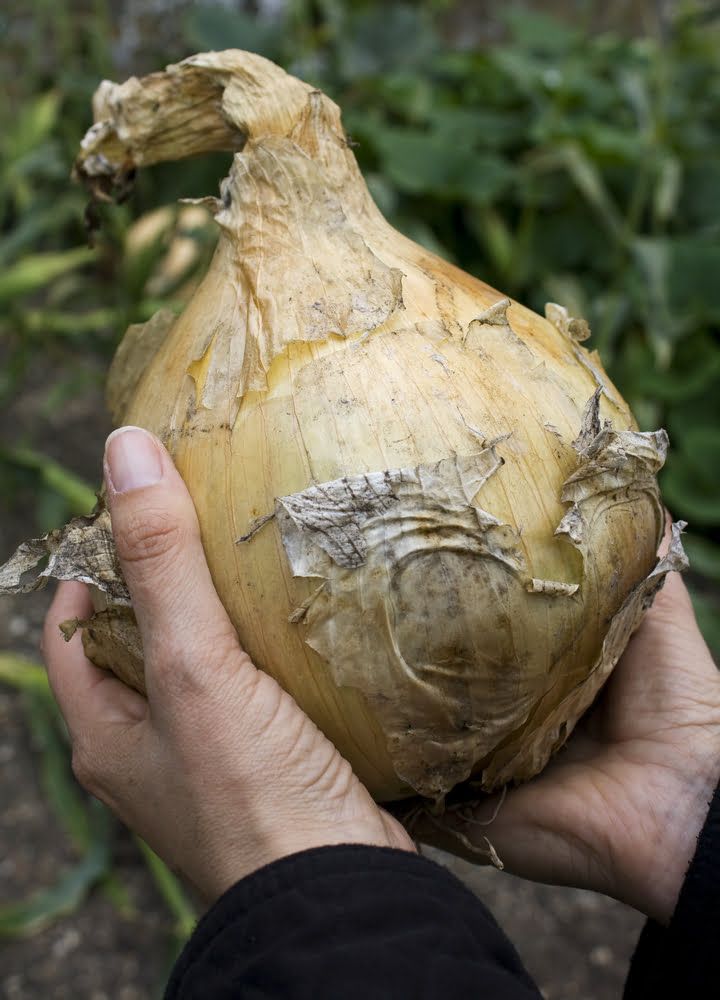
(427, 510)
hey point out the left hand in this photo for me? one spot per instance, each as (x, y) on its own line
(620, 808)
(218, 770)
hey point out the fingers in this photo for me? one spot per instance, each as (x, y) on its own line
(89, 698)
(185, 630)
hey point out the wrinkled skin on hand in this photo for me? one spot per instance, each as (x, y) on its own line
(218, 770)
(620, 808)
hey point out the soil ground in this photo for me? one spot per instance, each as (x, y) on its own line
(576, 944)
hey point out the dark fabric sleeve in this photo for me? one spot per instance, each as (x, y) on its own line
(350, 922)
(683, 960)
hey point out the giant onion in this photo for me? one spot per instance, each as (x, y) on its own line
(427, 509)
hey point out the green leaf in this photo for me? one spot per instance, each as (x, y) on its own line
(59, 787)
(693, 285)
(79, 496)
(36, 270)
(33, 125)
(410, 96)
(41, 220)
(570, 156)
(689, 496)
(37, 166)
(707, 610)
(210, 27)
(540, 32)
(485, 128)
(590, 183)
(51, 510)
(27, 917)
(568, 290)
(171, 890)
(427, 163)
(701, 445)
(419, 231)
(383, 193)
(379, 39)
(87, 822)
(608, 313)
(608, 142)
(492, 231)
(667, 188)
(23, 674)
(679, 286)
(652, 257)
(525, 71)
(634, 85)
(118, 894)
(70, 325)
(695, 369)
(563, 243)
(647, 413)
(704, 555)
(699, 197)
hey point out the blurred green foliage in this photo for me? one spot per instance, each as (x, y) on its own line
(87, 824)
(556, 164)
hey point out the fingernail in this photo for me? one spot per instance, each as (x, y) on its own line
(132, 459)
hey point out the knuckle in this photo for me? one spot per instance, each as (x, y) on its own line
(203, 669)
(149, 536)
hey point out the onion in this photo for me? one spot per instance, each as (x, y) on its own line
(427, 510)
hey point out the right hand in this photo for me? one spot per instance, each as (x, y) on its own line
(620, 808)
(219, 770)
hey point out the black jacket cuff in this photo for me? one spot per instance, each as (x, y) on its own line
(354, 922)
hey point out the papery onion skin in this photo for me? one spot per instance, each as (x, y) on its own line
(427, 509)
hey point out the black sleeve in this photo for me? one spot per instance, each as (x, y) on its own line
(350, 922)
(683, 960)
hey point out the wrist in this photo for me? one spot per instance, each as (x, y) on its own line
(275, 837)
(377, 829)
(650, 877)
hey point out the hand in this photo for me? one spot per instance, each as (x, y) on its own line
(219, 770)
(620, 808)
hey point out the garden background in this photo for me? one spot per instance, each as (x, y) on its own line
(557, 150)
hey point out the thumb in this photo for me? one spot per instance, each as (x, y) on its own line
(186, 633)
